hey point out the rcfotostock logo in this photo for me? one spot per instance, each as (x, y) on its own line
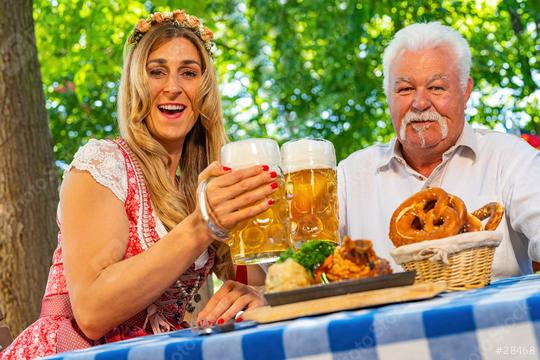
(16, 51)
(35, 191)
(10, 125)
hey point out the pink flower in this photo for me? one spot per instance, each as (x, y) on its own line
(179, 16)
(207, 34)
(143, 26)
(113, 335)
(134, 332)
(158, 17)
(193, 21)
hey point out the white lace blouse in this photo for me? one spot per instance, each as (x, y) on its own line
(105, 162)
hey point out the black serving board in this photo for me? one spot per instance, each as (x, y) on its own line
(340, 288)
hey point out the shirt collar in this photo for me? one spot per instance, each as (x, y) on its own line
(467, 139)
(391, 152)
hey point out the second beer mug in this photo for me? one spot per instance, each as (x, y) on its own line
(310, 175)
(262, 238)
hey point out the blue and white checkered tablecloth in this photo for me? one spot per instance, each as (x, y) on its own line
(501, 321)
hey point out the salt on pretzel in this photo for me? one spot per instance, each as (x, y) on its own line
(429, 214)
(472, 224)
(493, 211)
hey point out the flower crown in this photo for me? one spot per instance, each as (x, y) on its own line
(179, 18)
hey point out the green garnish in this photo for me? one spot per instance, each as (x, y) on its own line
(285, 255)
(310, 255)
(324, 279)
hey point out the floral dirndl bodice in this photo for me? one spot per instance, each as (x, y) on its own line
(166, 313)
(113, 165)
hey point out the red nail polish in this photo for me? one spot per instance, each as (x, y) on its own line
(273, 174)
(265, 167)
(239, 319)
(220, 321)
(226, 168)
(274, 185)
(270, 201)
(199, 323)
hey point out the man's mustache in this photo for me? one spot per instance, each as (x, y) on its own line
(423, 116)
(412, 117)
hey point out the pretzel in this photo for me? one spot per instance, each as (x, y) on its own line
(472, 224)
(429, 214)
(494, 211)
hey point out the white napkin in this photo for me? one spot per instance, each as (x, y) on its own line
(440, 249)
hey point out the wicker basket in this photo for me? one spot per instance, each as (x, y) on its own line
(467, 269)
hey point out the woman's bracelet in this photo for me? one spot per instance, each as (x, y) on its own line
(219, 233)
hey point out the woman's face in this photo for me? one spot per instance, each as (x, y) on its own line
(174, 76)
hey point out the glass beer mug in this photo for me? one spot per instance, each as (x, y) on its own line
(260, 239)
(311, 188)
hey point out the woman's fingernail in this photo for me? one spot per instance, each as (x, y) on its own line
(220, 321)
(265, 167)
(270, 201)
(239, 319)
(199, 323)
(226, 168)
(273, 174)
(274, 185)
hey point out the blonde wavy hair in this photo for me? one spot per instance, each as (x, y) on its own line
(172, 202)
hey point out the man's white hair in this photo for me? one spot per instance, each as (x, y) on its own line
(423, 36)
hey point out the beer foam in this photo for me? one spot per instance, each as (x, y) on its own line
(245, 153)
(304, 154)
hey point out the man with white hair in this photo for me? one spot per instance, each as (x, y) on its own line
(427, 84)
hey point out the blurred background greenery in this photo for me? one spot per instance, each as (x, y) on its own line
(289, 68)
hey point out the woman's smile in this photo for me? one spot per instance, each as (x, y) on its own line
(171, 110)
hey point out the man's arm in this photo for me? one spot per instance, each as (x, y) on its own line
(521, 193)
(342, 199)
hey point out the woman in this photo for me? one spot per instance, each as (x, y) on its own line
(133, 247)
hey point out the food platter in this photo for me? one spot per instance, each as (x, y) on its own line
(340, 288)
(352, 301)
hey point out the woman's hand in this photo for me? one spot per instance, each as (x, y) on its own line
(237, 195)
(231, 298)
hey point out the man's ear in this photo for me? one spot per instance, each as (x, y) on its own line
(468, 89)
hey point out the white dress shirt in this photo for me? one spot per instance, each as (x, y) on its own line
(482, 167)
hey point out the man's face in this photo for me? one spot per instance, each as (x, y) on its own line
(426, 100)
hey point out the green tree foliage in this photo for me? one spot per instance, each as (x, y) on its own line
(289, 68)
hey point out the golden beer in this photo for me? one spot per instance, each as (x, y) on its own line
(262, 238)
(311, 189)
